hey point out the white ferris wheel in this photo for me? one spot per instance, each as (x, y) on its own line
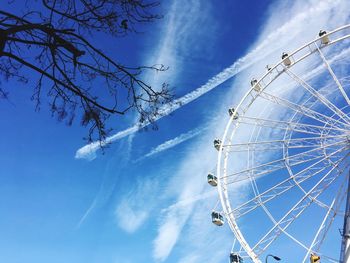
(283, 162)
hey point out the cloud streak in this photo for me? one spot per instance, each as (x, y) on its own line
(172, 143)
(190, 201)
(109, 181)
(135, 207)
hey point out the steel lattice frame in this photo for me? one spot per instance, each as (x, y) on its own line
(321, 151)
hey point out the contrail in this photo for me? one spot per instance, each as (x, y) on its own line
(108, 183)
(88, 211)
(287, 30)
(172, 143)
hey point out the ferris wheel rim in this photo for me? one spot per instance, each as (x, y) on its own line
(223, 194)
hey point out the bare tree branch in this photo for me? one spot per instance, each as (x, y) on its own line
(55, 42)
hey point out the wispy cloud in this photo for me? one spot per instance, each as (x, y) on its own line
(188, 186)
(201, 241)
(190, 201)
(109, 181)
(135, 207)
(172, 143)
(87, 212)
(89, 150)
(167, 237)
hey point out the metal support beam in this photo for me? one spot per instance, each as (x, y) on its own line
(345, 244)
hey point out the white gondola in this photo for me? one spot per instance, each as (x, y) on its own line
(217, 218)
(212, 179)
(256, 86)
(286, 60)
(235, 258)
(231, 111)
(217, 144)
(324, 37)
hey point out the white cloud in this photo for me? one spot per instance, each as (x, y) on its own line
(190, 259)
(89, 150)
(190, 201)
(167, 237)
(129, 218)
(201, 240)
(109, 180)
(135, 207)
(187, 187)
(173, 142)
(87, 212)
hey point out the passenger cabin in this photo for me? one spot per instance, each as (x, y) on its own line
(231, 111)
(212, 180)
(286, 60)
(235, 258)
(256, 86)
(217, 218)
(314, 258)
(217, 144)
(324, 37)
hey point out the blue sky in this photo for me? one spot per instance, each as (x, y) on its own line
(146, 198)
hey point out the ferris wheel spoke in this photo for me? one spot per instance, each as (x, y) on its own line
(341, 89)
(335, 211)
(295, 211)
(326, 223)
(314, 141)
(303, 110)
(286, 185)
(292, 126)
(303, 142)
(269, 167)
(320, 229)
(335, 164)
(320, 97)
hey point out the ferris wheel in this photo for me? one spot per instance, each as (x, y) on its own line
(283, 162)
